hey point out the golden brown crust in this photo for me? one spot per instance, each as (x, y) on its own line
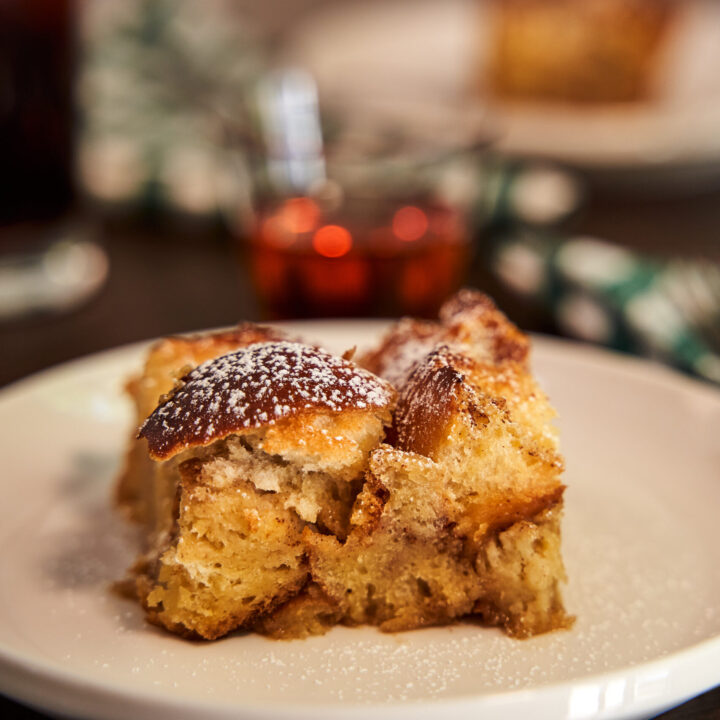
(472, 318)
(257, 387)
(406, 342)
(469, 322)
(427, 402)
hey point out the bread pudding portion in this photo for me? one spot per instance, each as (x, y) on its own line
(302, 491)
(470, 406)
(260, 443)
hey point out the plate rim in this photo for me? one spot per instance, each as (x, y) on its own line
(511, 704)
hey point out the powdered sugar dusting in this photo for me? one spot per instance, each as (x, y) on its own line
(407, 343)
(258, 386)
(470, 324)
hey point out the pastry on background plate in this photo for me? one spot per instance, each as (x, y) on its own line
(578, 51)
(308, 491)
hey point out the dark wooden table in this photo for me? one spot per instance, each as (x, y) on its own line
(169, 280)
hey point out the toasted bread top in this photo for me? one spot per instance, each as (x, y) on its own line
(257, 387)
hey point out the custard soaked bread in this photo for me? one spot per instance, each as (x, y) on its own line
(462, 517)
(310, 492)
(263, 442)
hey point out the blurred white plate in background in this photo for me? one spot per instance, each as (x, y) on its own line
(640, 544)
(414, 57)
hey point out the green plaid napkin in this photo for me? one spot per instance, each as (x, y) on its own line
(603, 293)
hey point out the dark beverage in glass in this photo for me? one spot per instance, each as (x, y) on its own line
(376, 259)
(37, 62)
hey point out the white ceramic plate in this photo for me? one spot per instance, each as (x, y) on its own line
(640, 544)
(420, 57)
